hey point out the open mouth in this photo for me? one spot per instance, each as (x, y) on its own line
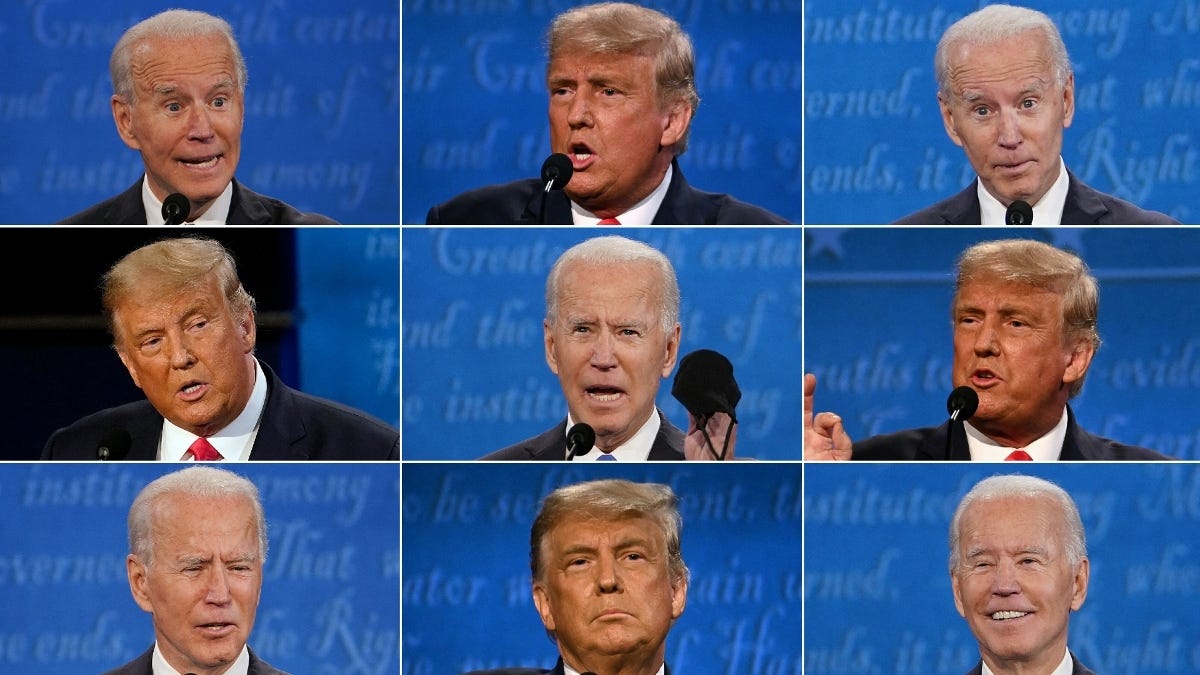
(192, 391)
(581, 156)
(984, 378)
(604, 394)
(201, 162)
(1008, 615)
(217, 628)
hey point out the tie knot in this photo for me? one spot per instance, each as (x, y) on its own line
(609, 221)
(203, 451)
(605, 457)
(1018, 456)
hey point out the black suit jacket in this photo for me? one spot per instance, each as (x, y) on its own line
(557, 670)
(141, 666)
(551, 445)
(520, 203)
(1078, 669)
(245, 208)
(1084, 206)
(295, 426)
(930, 443)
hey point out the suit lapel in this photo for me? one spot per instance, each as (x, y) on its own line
(1083, 205)
(281, 433)
(558, 208)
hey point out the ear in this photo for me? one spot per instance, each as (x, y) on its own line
(249, 331)
(128, 363)
(1082, 574)
(542, 602)
(672, 352)
(548, 338)
(948, 119)
(138, 582)
(678, 598)
(1069, 100)
(1078, 361)
(957, 591)
(123, 117)
(676, 119)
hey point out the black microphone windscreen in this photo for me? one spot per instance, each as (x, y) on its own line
(963, 403)
(176, 209)
(115, 445)
(704, 384)
(556, 171)
(580, 438)
(1018, 213)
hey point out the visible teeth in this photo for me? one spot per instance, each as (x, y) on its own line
(202, 165)
(606, 397)
(191, 388)
(1000, 616)
(582, 155)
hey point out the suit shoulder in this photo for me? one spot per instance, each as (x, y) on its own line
(1121, 212)
(531, 448)
(900, 445)
(500, 204)
(733, 211)
(78, 440)
(278, 212)
(334, 419)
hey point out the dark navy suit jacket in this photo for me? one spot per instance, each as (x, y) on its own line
(142, 666)
(551, 445)
(930, 443)
(520, 203)
(295, 426)
(557, 670)
(245, 208)
(1084, 206)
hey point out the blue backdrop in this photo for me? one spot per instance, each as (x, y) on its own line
(878, 332)
(875, 148)
(877, 587)
(330, 599)
(322, 105)
(475, 377)
(466, 589)
(475, 97)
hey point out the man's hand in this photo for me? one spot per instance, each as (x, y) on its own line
(695, 446)
(824, 436)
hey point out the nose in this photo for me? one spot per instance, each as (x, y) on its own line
(1004, 581)
(217, 591)
(1010, 129)
(604, 354)
(607, 578)
(199, 124)
(986, 343)
(579, 113)
(181, 353)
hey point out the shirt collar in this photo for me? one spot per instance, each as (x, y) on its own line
(1065, 667)
(636, 449)
(641, 214)
(568, 670)
(1048, 210)
(1044, 449)
(234, 442)
(216, 214)
(159, 665)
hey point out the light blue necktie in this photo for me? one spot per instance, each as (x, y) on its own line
(605, 457)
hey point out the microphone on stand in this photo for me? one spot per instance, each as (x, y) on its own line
(580, 439)
(963, 403)
(176, 209)
(1018, 213)
(556, 173)
(114, 446)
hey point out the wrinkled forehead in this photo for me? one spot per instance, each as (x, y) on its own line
(158, 59)
(1024, 59)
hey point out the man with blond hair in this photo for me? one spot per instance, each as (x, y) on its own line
(184, 327)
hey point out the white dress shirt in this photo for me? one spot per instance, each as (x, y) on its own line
(234, 442)
(568, 670)
(159, 665)
(640, 214)
(216, 214)
(1044, 449)
(636, 449)
(1048, 210)
(1065, 667)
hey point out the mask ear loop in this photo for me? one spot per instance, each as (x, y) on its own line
(702, 423)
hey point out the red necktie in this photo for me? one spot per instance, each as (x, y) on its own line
(203, 451)
(1018, 456)
(609, 221)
